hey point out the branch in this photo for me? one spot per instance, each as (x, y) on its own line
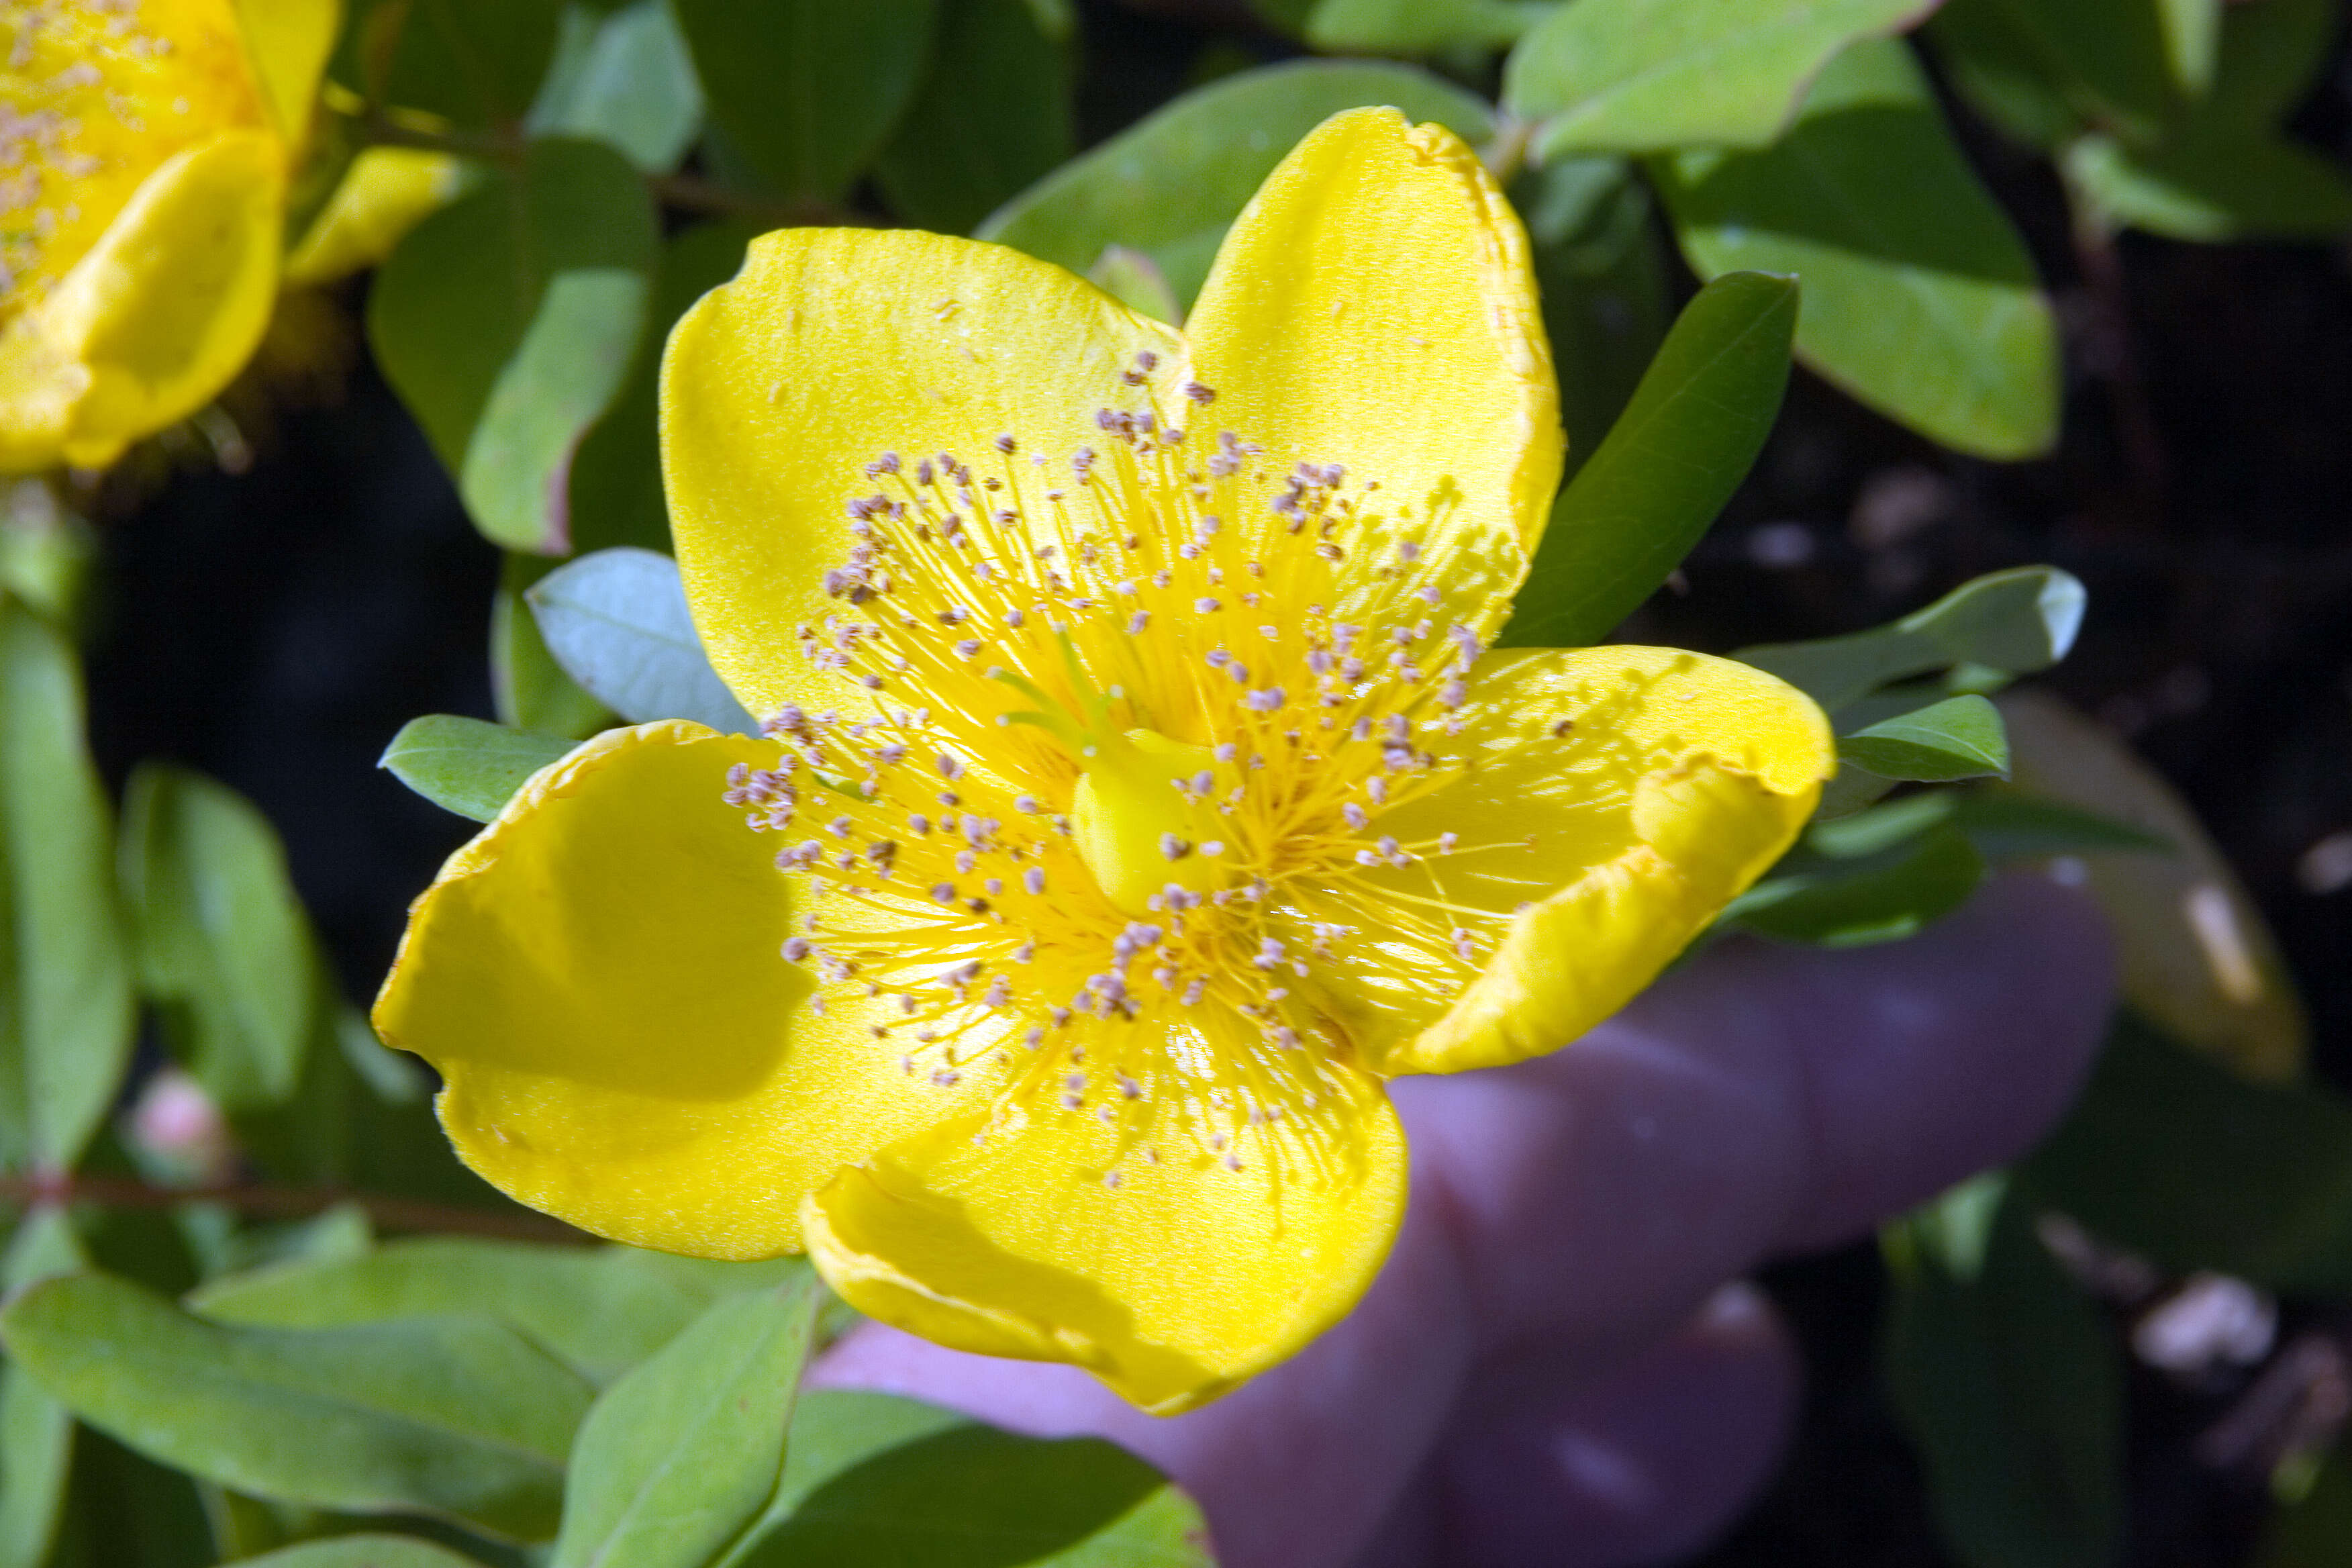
(285, 1203)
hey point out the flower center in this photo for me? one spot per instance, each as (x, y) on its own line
(1114, 784)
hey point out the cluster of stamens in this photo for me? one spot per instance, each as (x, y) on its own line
(1002, 626)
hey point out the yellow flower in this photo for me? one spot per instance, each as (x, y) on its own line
(145, 151)
(1142, 791)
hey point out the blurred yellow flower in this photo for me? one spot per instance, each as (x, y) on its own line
(145, 151)
(1145, 794)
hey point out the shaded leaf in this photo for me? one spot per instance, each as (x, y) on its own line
(625, 79)
(225, 947)
(603, 1309)
(2019, 621)
(684, 1451)
(2209, 187)
(1682, 445)
(2010, 1382)
(873, 1478)
(991, 116)
(2012, 824)
(506, 320)
(1959, 737)
(457, 1416)
(1886, 896)
(806, 92)
(125, 1508)
(37, 1433)
(66, 1011)
(363, 1552)
(1418, 26)
(2045, 72)
(473, 64)
(466, 765)
(1651, 76)
(618, 624)
(1135, 281)
(1920, 297)
(1171, 184)
(527, 687)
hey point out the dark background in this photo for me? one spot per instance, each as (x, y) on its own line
(274, 628)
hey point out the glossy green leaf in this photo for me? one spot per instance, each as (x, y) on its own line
(806, 92)
(1135, 281)
(473, 64)
(625, 79)
(992, 116)
(1959, 737)
(460, 1418)
(225, 949)
(37, 1433)
(527, 687)
(1682, 445)
(1419, 26)
(2021, 620)
(616, 481)
(603, 1309)
(2172, 1156)
(1920, 297)
(1886, 896)
(2012, 824)
(466, 765)
(66, 1012)
(1173, 183)
(1651, 76)
(685, 1452)
(873, 1478)
(2046, 70)
(1877, 828)
(2010, 1382)
(363, 1551)
(507, 322)
(1603, 276)
(618, 624)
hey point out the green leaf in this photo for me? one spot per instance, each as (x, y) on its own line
(224, 948)
(873, 1478)
(37, 1433)
(2044, 72)
(1173, 183)
(1878, 828)
(1959, 737)
(460, 1418)
(66, 1011)
(1652, 76)
(991, 116)
(1135, 281)
(686, 1451)
(2312, 1528)
(806, 92)
(2210, 188)
(2269, 58)
(1872, 898)
(1920, 299)
(2174, 1156)
(363, 1551)
(2020, 621)
(472, 64)
(625, 79)
(617, 482)
(1419, 26)
(618, 624)
(2192, 41)
(466, 765)
(2012, 1385)
(1681, 447)
(527, 687)
(601, 1309)
(2012, 824)
(125, 1509)
(507, 322)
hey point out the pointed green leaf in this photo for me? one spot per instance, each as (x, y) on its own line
(1959, 737)
(603, 1309)
(1886, 896)
(1170, 184)
(992, 115)
(66, 1012)
(2019, 621)
(1682, 445)
(806, 92)
(686, 1451)
(363, 1551)
(1920, 299)
(37, 1433)
(618, 624)
(466, 765)
(1651, 76)
(625, 79)
(460, 1418)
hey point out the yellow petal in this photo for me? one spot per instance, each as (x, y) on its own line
(1180, 1280)
(386, 192)
(597, 978)
(156, 318)
(1374, 307)
(1619, 797)
(287, 42)
(831, 347)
